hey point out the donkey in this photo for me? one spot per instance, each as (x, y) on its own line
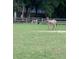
(34, 21)
(51, 23)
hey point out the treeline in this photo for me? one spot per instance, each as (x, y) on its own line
(52, 8)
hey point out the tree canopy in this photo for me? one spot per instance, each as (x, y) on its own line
(52, 8)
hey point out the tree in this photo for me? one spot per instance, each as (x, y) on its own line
(49, 6)
(52, 7)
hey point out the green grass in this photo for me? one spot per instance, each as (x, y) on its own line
(38, 45)
(36, 27)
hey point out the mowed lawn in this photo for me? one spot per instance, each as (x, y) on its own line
(38, 45)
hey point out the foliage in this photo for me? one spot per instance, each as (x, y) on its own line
(49, 6)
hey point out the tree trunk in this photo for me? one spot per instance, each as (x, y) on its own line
(28, 13)
(15, 15)
(36, 10)
(22, 15)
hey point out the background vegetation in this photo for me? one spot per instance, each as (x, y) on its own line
(52, 8)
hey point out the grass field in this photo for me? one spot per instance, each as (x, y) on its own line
(38, 45)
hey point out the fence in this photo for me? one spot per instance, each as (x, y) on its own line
(39, 20)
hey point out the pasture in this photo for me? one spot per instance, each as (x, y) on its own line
(30, 44)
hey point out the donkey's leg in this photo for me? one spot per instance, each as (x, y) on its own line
(48, 26)
(52, 26)
(55, 26)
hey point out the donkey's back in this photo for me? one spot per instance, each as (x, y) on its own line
(53, 21)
